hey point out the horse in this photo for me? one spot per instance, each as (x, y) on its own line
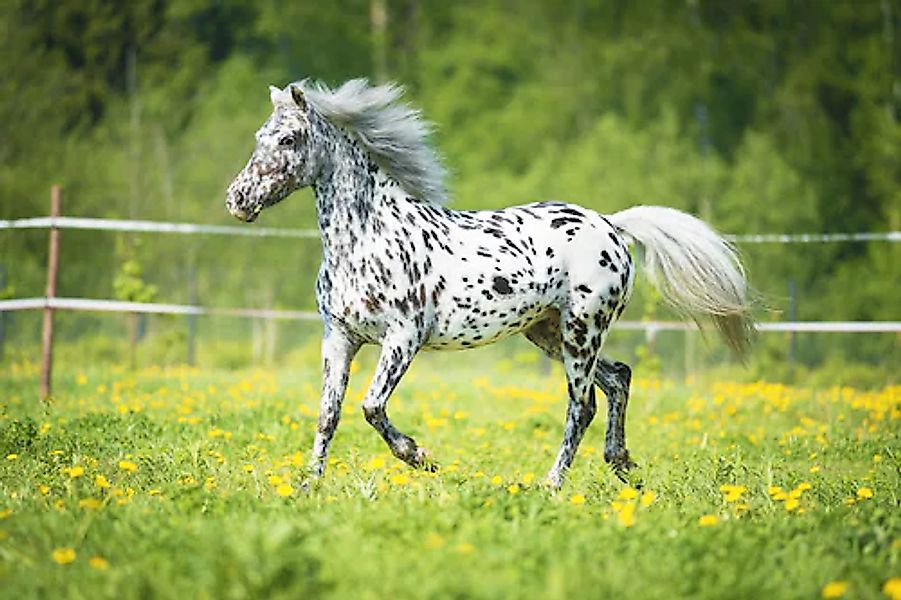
(402, 270)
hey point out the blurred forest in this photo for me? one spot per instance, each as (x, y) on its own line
(765, 116)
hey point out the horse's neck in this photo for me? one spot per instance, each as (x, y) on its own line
(347, 202)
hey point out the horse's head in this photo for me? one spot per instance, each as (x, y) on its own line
(282, 161)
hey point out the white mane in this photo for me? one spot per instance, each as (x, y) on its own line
(394, 133)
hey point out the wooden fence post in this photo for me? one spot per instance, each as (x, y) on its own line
(52, 268)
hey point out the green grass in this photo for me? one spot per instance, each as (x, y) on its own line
(196, 463)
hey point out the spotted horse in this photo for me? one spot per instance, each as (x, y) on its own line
(401, 270)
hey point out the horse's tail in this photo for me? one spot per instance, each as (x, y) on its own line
(694, 268)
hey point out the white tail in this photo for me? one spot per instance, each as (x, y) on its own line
(696, 270)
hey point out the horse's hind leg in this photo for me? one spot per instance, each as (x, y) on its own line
(396, 356)
(581, 341)
(614, 379)
(611, 376)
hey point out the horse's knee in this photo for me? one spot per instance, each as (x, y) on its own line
(373, 414)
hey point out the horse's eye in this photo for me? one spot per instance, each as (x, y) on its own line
(286, 141)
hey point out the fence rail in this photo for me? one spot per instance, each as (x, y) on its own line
(255, 231)
(94, 305)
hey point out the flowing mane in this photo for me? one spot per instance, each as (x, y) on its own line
(392, 132)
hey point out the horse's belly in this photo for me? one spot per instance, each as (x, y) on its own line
(463, 330)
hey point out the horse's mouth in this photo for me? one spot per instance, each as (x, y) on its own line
(245, 216)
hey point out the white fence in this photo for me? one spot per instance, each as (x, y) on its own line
(55, 222)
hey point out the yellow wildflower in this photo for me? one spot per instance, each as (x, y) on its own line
(284, 490)
(647, 498)
(708, 520)
(513, 489)
(5, 513)
(274, 480)
(74, 472)
(90, 503)
(99, 563)
(465, 548)
(433, 541)
(63, 556)
(892, 588)
(628, 493)
(400, 479)
(864, 493)
(44, 489)
(248, 468)
(732, 492)
(791, 504)
(101, 482)
(834, 589)
(626, 515)
(577, 500)
(12, 456)
(528, 478)
(128, 466)
(497, 480)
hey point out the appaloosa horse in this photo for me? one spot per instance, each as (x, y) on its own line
(402, 271)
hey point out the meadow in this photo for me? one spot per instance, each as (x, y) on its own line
(181, 482)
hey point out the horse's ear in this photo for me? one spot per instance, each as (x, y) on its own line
(298, 96)
(274, 94)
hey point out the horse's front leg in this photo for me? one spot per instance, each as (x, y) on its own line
(397, 354)
(337, 353)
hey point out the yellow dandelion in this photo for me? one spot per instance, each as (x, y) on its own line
(731, 493)
(248, 468)
(99, 563)
(628, 493)
(577, 500)
(128, 466)
(528, 478)
(626, 516)
(274, 480)
(81, 379)
(708, 520)
(497, 480)
(101, 482)
(399, 479)
(433, 541)
(90, 503)
(465, 548)
(864, 493)
(284, 490)
(877, 458)
(376, 463)
(834, 589)
(12, 456)
(513, 489)
(892, 588)
(647, 498)
(75, 472)
(44, 489)
(63, 556)
(791, 504)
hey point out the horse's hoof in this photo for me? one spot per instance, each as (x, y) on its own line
(425, 461)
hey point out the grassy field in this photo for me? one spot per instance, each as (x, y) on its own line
(187, 483)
